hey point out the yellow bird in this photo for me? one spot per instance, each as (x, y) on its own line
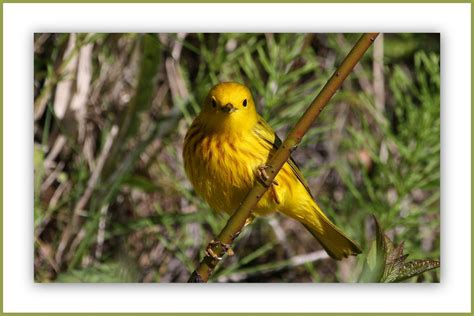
(226, 150)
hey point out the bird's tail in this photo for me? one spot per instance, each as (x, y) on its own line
(333, 240)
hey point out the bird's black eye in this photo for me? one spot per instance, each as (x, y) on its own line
(214, 102)
(244, 103)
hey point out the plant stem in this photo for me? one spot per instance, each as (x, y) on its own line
(237, 221)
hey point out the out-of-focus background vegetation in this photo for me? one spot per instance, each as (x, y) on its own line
(112, 202)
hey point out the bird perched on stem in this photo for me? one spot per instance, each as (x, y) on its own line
(226, 150)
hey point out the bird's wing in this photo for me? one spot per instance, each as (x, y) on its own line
(271, 139)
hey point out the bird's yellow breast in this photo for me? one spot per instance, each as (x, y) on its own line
(221, 168)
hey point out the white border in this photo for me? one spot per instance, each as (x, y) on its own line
(452, 20)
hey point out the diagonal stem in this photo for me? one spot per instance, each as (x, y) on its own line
(237, 221)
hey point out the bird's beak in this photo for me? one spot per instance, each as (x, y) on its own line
(228, 108)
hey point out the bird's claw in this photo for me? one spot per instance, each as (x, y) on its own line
(275, 195)
(249, 220)
(263, 177)
(226, 247)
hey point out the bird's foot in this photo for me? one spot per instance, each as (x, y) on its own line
(276, 198)
(249, 220)
(226, 247)
(263, 177)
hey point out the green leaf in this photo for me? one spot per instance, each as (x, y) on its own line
(373, 270)
(396, 269)
(413, 268)
(386, 261)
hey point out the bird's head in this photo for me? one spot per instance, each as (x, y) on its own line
(230, 105)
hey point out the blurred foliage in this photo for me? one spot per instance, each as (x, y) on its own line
(111, 112)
